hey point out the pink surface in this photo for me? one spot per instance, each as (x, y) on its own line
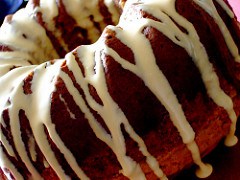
(236, 7)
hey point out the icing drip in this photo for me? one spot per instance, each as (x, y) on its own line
(223, 100)
(31, 146)
(110, 112)
(153, 77)
(45, 81)
(37, 104)
(226, 8)
(33, 47)
(83, 10)
(7, 146)
(49, 11)
(211, 10)
(72, 115)
(6, 163)
(204, 170)
(45, 163)
(112, 9)
(195, 49)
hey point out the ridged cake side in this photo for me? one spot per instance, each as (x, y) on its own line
(152, 96)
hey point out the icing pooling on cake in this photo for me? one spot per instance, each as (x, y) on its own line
(45, 76)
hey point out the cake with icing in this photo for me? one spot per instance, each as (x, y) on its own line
(101, 89)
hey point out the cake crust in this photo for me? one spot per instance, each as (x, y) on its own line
(109, 110)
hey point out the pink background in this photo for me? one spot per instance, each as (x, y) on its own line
(236, 7)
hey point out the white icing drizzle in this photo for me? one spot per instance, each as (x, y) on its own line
(72, 115)
(195, 49)
(45, 163)
(15, 129)
(32, 146)
(204, 170)
(209, 7)
(153, 77)
(37, 104)
(111, 113)
(112, 9)
(36, 46)
(49, 11)
(112, 118)
(82, 10)
(226, 8)
(15, 58)
(5, 69)
(223, 100)
(7, 146)
(44, 81)
(6, 163)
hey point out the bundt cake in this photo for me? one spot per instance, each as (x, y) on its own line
(146, 88)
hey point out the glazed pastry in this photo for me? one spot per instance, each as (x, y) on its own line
(156, 90)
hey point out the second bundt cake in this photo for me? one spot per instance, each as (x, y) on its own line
(150, 97)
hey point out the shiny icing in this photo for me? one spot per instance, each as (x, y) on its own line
(37, 104)
(49, 11)
(82, 11)
(34, 47)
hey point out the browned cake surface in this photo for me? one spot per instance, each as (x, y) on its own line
(145, 113)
